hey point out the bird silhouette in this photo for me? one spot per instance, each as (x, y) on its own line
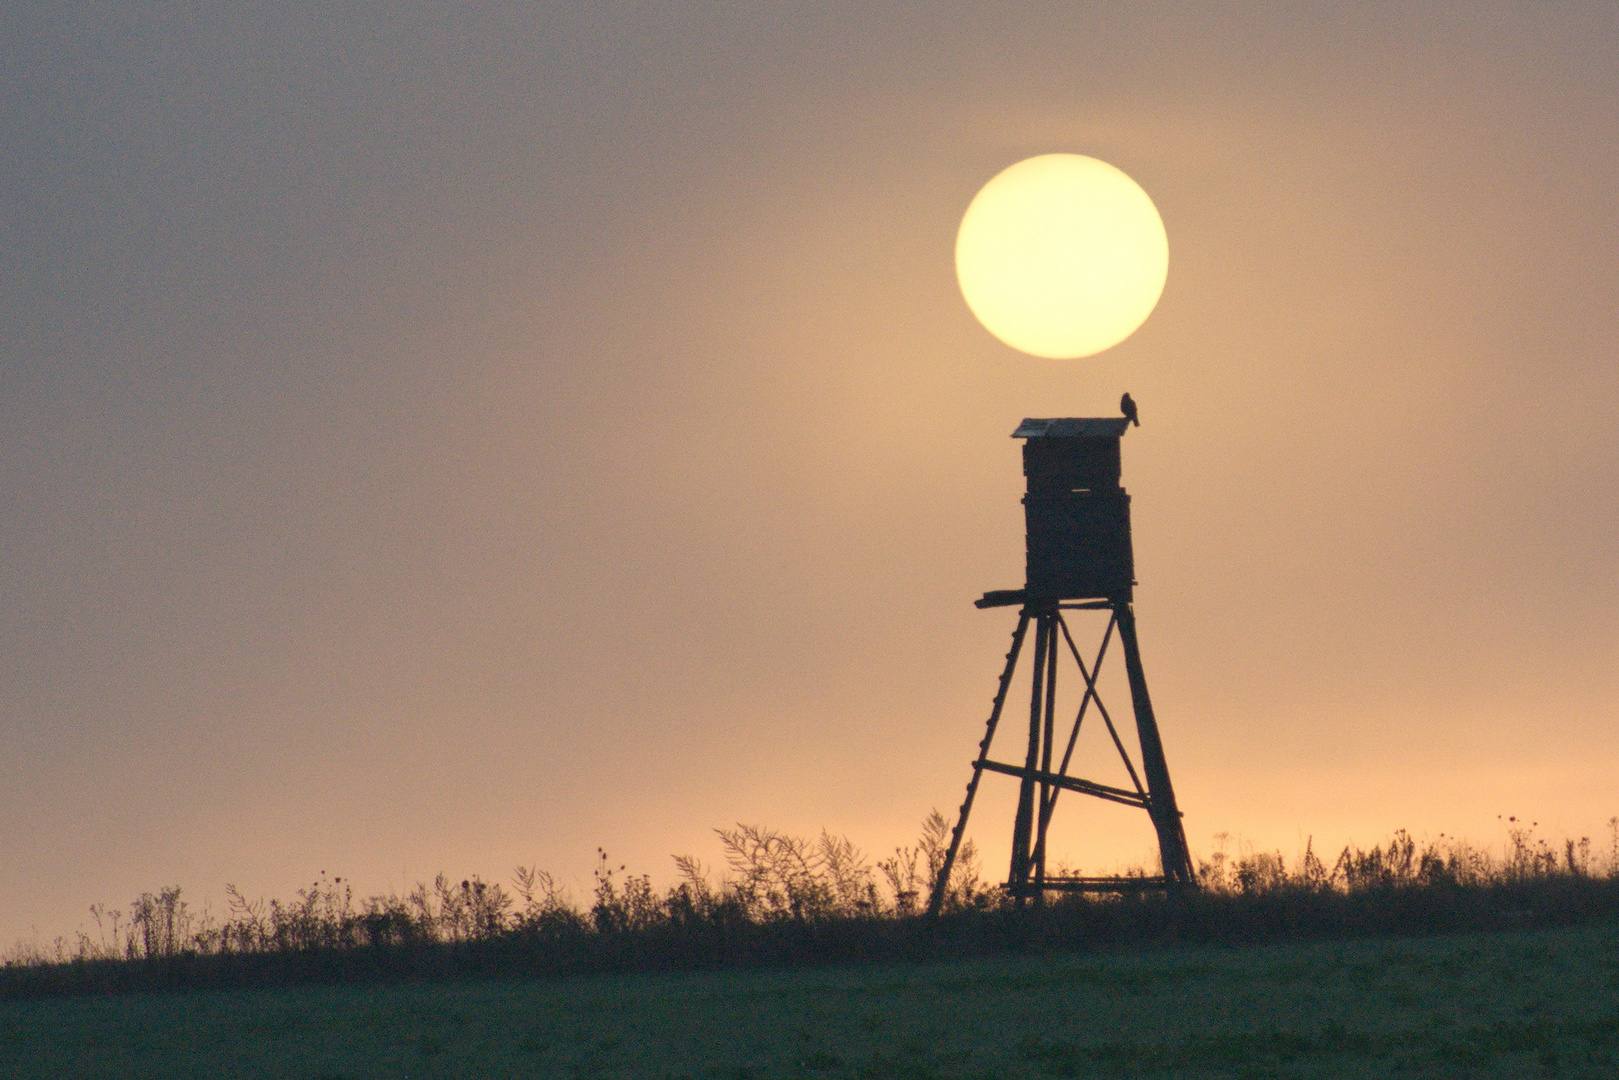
(1127, 405)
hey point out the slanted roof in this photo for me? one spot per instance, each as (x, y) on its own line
(1101, 427)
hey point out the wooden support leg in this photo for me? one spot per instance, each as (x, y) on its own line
(1166, 818)
(1048, 793)
(1023, 829)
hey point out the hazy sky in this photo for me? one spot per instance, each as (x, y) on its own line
(442, 437)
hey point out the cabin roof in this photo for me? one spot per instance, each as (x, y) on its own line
(1071, 427)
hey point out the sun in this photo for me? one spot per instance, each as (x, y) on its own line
(1062, 256)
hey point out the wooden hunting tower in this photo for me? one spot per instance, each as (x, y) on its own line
(1078, 558)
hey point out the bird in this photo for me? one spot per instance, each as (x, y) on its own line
(1127, 405)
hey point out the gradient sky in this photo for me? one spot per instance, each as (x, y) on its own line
(443, 437)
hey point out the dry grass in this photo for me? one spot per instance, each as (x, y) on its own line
(791, 900)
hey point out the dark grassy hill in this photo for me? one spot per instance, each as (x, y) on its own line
(1526, 1003)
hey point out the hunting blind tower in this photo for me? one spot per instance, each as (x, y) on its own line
(1078, 558)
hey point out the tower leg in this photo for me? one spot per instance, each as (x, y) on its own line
(1166, 818)
(1023, 827)
(1049, 737)
(942, 882)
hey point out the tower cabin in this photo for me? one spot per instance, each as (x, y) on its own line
(1077, 515)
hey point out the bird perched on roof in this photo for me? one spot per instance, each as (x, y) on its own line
(1127, 405)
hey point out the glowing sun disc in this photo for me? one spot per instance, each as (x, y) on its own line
(1062, 256)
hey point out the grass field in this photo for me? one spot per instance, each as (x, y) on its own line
(1514, 1004)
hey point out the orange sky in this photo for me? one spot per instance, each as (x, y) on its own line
(439, 440)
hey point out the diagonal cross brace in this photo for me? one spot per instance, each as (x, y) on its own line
(1090, 689)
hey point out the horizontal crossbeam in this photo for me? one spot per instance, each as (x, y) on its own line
(1069, 783)
(1089, 885)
